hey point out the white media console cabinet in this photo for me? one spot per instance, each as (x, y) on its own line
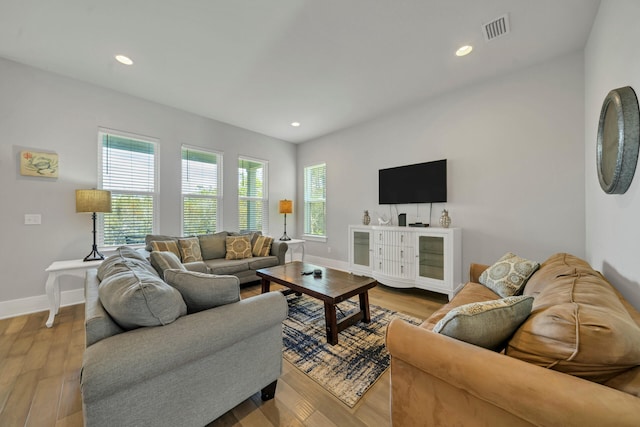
(408, 257)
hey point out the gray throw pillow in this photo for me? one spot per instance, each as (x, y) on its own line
(203, 291)
(487, 324)
(508, 275)
(162, 261)
(213, 246)
(136, 298)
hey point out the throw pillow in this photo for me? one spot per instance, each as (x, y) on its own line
(162, 261)
(213, 246)
(190, 249)
(157, 237)
(166, 245)
(508, 275)
(262, 246)
(238, 247)
(135, 299)
(487, 324)
(202, 291)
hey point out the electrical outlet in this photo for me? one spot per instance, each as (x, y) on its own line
(32, 219)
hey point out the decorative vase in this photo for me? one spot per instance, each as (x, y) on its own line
(366, 219)
(445, 220)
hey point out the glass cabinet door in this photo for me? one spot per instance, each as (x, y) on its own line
(361, 253)
(431, 257)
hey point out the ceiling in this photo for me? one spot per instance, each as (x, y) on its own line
(260, 65)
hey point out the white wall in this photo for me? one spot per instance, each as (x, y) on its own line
(47, 112)
(515, 153)
(612, 60)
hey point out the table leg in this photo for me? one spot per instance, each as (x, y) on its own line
(266, 285)
(331, 321)
(52, 288)
(364, 307)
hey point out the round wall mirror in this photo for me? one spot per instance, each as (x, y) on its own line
(618, 140)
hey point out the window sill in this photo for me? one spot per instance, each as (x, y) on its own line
(313, 238)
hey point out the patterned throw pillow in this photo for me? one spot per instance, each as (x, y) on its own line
(262, 246)
(508, 275)
(165, 246)
(190, 249)
(487, 324)
(238, 247)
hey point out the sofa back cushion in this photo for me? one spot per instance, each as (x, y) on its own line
(203, 291)
(137, 298)
(578, 325)
(213, 246)
(125, 259)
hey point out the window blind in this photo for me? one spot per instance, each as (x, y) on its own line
(200, 191)
(128, 170)
(315, 200)
(253, 202)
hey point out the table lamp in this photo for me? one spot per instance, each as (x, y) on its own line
(93, 201)
(286, 207)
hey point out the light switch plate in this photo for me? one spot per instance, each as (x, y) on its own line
(32, 219)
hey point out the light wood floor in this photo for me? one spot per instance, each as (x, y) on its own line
(40, 374)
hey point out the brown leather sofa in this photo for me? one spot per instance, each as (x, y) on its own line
(441, 381)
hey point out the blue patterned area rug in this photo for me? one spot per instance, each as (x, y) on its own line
(346, 369)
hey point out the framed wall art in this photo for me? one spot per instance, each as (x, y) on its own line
(33, 163)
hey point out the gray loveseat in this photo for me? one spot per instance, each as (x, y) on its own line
(190, 368)
(213, 253)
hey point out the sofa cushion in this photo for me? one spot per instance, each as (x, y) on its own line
(486, 324)
(262, 246)
(508, 275)
(157, 237)
(203, 291)
(213, 246)
(578, 326)
(135, 298)
(162, 261)
(556, 265)
(166, 246)
(238, 247)
(471, 292)
(125, 259)
(257, 263)
(190, 249)
(223, 266)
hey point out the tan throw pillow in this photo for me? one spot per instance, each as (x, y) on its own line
(165, 246)
(262, 246)
(579, 326)
(508, 275)
(487, 324)
(190, 249)
(238, 247)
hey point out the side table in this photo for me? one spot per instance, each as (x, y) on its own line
(52, 287)
(295, 244)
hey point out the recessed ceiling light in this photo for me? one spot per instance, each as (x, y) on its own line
(464, 50)
(295, 124)
(124, 60)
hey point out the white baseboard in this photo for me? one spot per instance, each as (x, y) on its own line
(18, 307)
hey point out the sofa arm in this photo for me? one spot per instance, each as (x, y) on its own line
(279, 249)
(438, 380)
(120, 361)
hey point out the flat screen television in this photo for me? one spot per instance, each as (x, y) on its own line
(419, 183)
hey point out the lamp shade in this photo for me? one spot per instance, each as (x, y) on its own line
(286, 206)
(93, 200)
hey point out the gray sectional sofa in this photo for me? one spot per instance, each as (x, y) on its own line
(213, 254)
(174, 355)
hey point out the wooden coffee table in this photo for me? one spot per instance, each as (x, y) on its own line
(332, 288)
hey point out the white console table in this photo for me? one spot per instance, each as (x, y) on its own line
(75, 267)
(294, 245)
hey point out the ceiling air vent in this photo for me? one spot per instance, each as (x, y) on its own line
(496, 28)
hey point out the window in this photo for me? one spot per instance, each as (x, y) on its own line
(315, 195)
(128, 169)
(253, 202)
(201, 191)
